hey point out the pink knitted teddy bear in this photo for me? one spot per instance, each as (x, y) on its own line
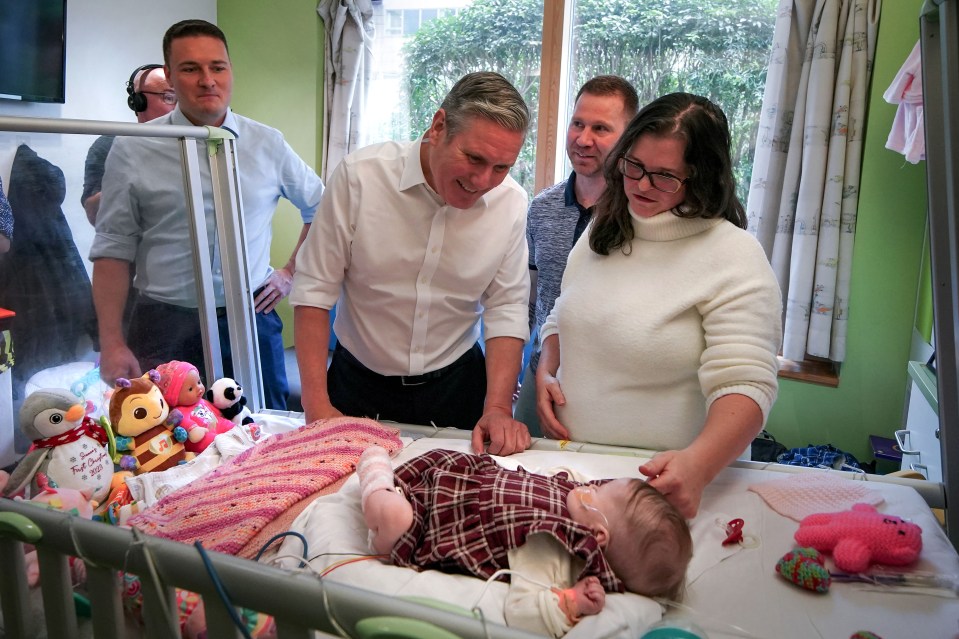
(860, 537)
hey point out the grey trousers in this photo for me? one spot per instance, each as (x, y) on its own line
(525, 408)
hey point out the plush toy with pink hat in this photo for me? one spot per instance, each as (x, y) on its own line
(183, 390)
(860, 537)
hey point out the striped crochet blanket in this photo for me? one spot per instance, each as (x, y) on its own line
(227, 507)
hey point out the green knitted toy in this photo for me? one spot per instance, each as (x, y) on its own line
(805, 567)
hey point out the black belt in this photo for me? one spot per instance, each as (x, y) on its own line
(409, 380)
(221, 310)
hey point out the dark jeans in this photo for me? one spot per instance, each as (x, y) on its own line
(161, 332)
(449, 397)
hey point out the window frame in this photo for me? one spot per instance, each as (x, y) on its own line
(554, 66)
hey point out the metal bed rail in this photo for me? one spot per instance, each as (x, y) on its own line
(932, 492)
(230, 234)
(300, 603)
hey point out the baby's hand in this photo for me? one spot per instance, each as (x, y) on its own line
(197, 433)
(590, 597)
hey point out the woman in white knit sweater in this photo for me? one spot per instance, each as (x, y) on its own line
(669, 316)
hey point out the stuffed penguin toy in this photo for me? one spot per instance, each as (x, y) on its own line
(69, 448)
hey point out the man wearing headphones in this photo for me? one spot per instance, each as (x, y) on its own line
(149, 95)
(143, 221)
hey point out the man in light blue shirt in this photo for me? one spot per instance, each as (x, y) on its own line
(143, 221)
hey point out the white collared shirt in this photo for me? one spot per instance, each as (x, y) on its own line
(416, 274)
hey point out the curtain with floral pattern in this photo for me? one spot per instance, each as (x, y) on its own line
(804, 189)
(348, 68)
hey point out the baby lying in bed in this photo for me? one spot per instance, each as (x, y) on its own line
(565, 544)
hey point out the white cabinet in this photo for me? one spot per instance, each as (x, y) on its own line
(919, 438)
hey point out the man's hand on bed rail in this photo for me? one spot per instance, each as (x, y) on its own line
(322, 410)
(118, 361)
(504, 434)
(677, 475)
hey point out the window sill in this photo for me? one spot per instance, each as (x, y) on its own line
(811, 371)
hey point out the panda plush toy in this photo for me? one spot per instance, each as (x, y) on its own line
(228, 397)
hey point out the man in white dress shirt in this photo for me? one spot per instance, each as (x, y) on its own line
(417, 243)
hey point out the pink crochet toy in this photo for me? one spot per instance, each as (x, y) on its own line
(73, 502)
(860, 537)
(182, 389)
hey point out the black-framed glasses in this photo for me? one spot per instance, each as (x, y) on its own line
(660, 181)
(168, 97)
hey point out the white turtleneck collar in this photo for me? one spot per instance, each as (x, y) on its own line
(668, 226)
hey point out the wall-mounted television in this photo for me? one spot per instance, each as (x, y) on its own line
(33, 44)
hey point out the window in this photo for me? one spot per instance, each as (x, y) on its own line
(438, 41)
(392, 24)
(659, 45)
(411, 21)
(677, 46)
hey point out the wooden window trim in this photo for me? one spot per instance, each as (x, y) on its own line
(556, 15)
(811, 370)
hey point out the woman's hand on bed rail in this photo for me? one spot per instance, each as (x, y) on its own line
(504, 434)
(549, 394)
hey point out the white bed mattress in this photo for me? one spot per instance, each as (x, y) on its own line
(745, 591)
(732, 591)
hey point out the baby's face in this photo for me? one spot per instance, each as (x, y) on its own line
(599, 505)
(192, 389)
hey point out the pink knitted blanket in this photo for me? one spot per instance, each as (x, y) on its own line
(225, 508)
(799, 495)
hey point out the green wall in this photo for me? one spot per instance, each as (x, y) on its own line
(277, 52)
(885, 276)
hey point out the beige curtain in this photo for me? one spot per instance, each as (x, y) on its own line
(804, 190)
(348, 67)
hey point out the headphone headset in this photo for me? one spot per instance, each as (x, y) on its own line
(136, 100)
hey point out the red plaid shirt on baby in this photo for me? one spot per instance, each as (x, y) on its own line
(468, 513)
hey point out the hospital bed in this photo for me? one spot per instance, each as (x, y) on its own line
(732, 591)
(736, 595)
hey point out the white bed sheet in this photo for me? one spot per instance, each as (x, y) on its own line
(334, 524)
(745, 591)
